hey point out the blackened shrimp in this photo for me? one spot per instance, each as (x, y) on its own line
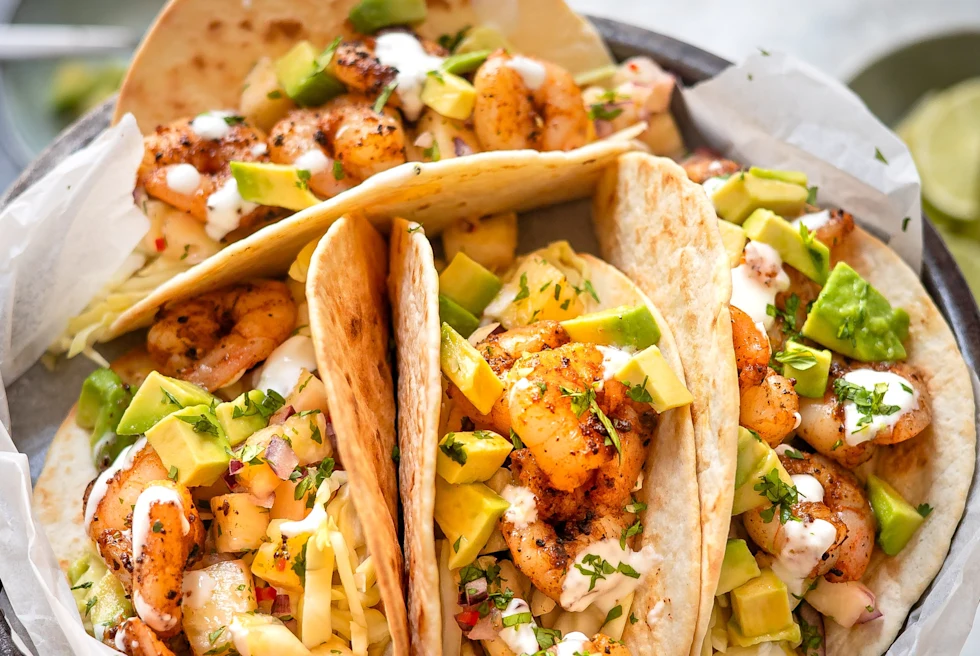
(135, 638)
(705, 164)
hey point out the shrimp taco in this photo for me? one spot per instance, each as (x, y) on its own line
(548, 468)
(255, 111)
(230, 489)
(857, 440)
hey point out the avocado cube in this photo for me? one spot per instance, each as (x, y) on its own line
(784, 639)
(192, 441)
(626, 326)
(751, 451)
(84, 573)
(156, 398)
(897, 519)
(809, 366)
(449, 95)
(110, 604)
(276, 185)
(466, 368)
(468, 284)
(738, 567)
(471, 457)
(369, 16)
(467, 515)
(795, 245)
(761, 607)
(465, 62)
(101, 405)
(733, 238)
(792, 177)
(242, 417)
(743, 193)
(649, 370)
(755, 459)
(452, 313)
(302, 73)
(853, 318)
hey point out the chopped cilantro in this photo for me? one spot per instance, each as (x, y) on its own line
(780, 495)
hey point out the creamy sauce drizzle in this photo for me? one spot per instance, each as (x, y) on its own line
(806, 542)
(573, 643)
(613, 359)
(198, 588)
(159, 622)
(405, 53)
(314, 161)
(212, 125)
(151, 496)
(226, 207)
(656, 613)
(895, 396)
(123, 462)
(808, 487)
(575, 593)
(533, 73)
(711, 185)
(284, 366)
(183, 178)
(813, 221)
(523, 505)
(756, 282)
(520, 637)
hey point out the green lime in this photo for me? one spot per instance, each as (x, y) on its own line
(943, 133)
(966, 251)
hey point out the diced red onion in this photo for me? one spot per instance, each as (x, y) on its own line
(232, 482)
(810, 615)
(281, 457)
(281, 415)
(603, 128)
(235, 466)
(473, 592)
(869, 615)
(281, 605)
(461, 147)
(483, 630)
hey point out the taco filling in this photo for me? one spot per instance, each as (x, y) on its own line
(823, 386)
(222, 520)
(550, 404)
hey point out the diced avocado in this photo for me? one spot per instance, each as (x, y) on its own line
(733, 237)
(303, 74)
(192, 441)
(854, 319)
(649, 370)
(471, 457)
(101, 405)
(755, 460)
(761, 607)
(738, 568)
(469, 284)
(83, 574)
(369, 16)
(466, 368)
(110, 605)
(156, 398)
(631, 326)
(482, 37)
(449, 95)
(809, 366)
(781, 642)
(743, 193)
(276, 185)
(796, 246)
(465, 62)
(241, 417)
(452, 313)
(792, 177)
(897, 519)
(467, 515)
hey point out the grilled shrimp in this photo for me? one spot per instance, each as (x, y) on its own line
(135, 638)
(355, 65)
(771, 409)
(213, 339)
(822, 420)
(833, 231)
(345, 130)
(705, 164)
(172, 148)
(752, 351)
(844, 505)
(523, 102)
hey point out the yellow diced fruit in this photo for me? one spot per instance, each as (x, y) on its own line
(649, 369)
(264, 634)
(308, 394)
(276, 559)
(540, 291)
(491, 241)
(471, 457)
(217, 593)
(286, 505)
(449, 95)
(263, 101)
(467, 515)
(308, 436)
(258, 479)
(241, 522)
(466, 368)
(760, 607)
(446, 133)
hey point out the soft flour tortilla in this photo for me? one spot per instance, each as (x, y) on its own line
(349, 322)
(672, 518)
(935, 467)
(350, 331)
(660, 229)
(197, 54)
(435, 193)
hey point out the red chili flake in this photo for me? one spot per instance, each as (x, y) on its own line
(281, 565)
(267, 593)
(633, 66)
(161, 244)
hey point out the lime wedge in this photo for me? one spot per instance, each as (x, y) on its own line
(966, 251)
(943, 134)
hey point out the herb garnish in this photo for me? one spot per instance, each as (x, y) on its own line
(515, 439)
(788, 316)
(453, 449)
(781, 496)
(585, 400)
(299, 564)
(451, 41)
(635, 529)
(524, 292)
(799, 359)
(310, 479)
(924, 509)
(173, 473)
(303, 179)
(868, 403)
(603, 111)
(382, 100)
(639, 392)
(201, 424)
(614, 613)
(338, 170)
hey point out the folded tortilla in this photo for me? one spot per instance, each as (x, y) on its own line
(672, 518)
(649, 201)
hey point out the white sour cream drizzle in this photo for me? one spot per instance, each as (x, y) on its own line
(656, 613)
(120, 639)
(123, 462)
(523, 505)
(756, 282)
(575, 593)
(226, 207)
(405, 53)
(198, 588)
(314, 161)
(284, 365)
(896, 395)
(806, 542)
(813, 221)
(711, 185)
(613, 359)
(260, 149)
(183, 178)
(520, 637)
(573, 643)
(159, 622)
(212, 125)
(809, 487)
(151, 496)
(533, 73)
